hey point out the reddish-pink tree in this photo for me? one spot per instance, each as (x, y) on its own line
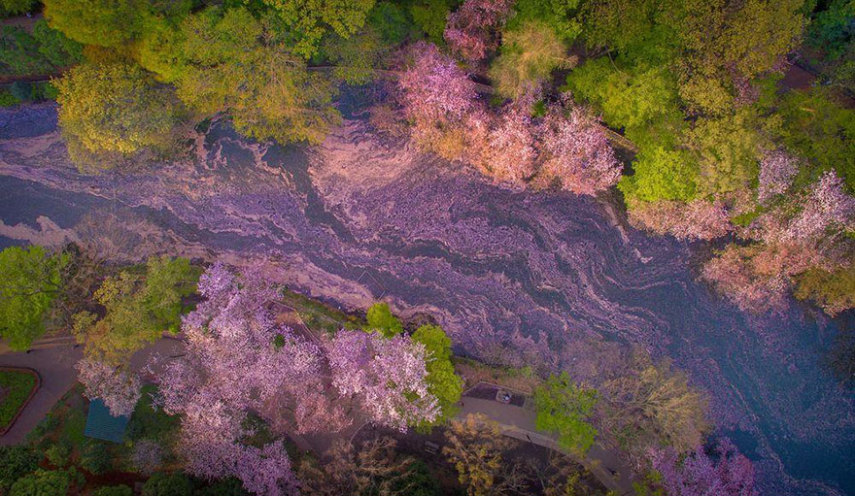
(114, 386)
(473, 29)
(386, 376)
(726, 473)
(577, 152)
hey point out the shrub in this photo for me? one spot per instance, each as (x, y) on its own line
(114, 491)
(164, 484)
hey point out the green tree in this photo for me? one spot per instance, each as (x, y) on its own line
(115, 110)
(168, 484)
(443, 383)
(354, 57)
(380, 319)
(820, 129)
(528, 56)
(563, 408)
(106, 23)
(728, 149)
(95, 457)
(629, 97)
(16, 462)
(430, 17)
(138, 309)
(30, 280)
(121, 490)
(42, 483)
(559, 15)
(661, 174)
(55, 47)
(14, 7)
(307, 21)
(229, 61)
(834, 290)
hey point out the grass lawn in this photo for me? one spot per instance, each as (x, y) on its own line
(15, 388)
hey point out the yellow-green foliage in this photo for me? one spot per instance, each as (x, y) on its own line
(30, 280)
(442, 381)
(307, 21)
(529, 55)
(833, 291)
(116, 108)
(94, 22)
(138, 309)
(728, 148)
(661, 174)
(227, 62)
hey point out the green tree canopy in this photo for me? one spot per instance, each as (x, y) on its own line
(30, 280)
(14, 7)
(41, 483)
(95, 22)
(139, 308)
(661, 174)
(228, 61)
(115, 110)
(442, 381)
(168, 484)
(307, 21)
(559, 15)
(380, 318)
(16, 462)
(563, 408)
(528, 56)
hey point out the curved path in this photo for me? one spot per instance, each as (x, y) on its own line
(519, 277)
(519, 423)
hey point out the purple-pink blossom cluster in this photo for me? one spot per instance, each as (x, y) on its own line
(726, 473)
(118, 390)
(386, 376)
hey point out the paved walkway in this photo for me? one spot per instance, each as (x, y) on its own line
(54, 359)
(55, 365)
(519, 422)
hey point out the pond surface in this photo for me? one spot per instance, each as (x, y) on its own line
(512, 275)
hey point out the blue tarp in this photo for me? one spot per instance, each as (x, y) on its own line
(101, 425)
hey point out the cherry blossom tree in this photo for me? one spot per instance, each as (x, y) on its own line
(118, 390)
(473, 29)
(827, 207)
(698, 219)
(726, 473)
(238, 358)
(386, 376)
(577, 152)
(777, 170)
(509, 155)
(434, 88)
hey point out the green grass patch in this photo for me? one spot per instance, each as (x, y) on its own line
(15, 388)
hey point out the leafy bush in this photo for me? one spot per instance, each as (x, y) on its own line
(168, 484)
(58, 454)
(95, 457)
(42, 483)
(15, 462)
(114, 491)
(380, 318)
